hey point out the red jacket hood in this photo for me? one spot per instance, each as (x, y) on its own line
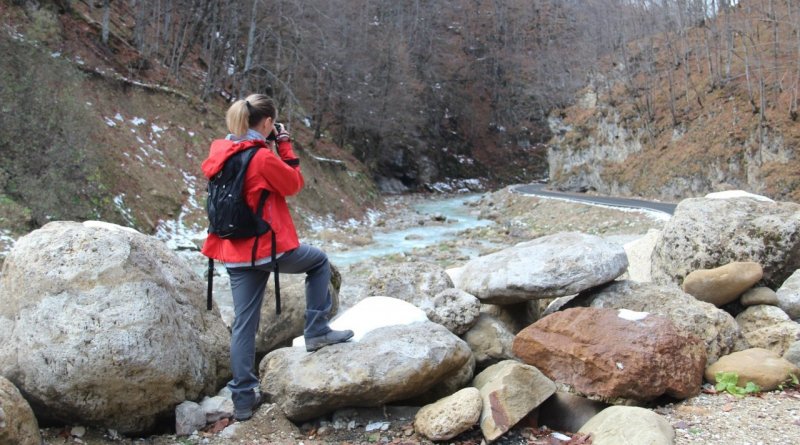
(221, 150)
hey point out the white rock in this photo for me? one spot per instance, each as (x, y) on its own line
(189, 417)
(216, 408)
(638, 252)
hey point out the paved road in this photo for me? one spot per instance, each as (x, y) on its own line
(539, 190)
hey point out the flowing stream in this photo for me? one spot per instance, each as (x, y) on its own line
(458, 216)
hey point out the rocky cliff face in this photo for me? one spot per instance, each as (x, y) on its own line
(602, 144)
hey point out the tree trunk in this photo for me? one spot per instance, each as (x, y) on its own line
(106, 20)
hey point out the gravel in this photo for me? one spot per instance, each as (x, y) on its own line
(771, 418)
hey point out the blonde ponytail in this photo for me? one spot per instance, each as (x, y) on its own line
(249, 112)
(237, 118)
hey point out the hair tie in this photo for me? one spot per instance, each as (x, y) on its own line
(247, 102)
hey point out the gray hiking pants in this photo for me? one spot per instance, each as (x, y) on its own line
(248, 285)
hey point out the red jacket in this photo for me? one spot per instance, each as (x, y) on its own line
(266, 171)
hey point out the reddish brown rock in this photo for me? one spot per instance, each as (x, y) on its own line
(614, 353)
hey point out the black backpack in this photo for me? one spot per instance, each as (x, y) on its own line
(229, 216)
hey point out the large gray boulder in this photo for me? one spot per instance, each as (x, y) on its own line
(103, 326)
(707, 233)
(547, 267)
(388, 364)
(17, 424)
(715, 327)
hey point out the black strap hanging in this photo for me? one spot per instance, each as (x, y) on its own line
(277, 282)
(210, 283)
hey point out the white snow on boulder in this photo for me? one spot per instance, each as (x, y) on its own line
(728, 194)
(372, 313)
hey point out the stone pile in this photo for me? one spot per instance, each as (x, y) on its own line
(546, 329)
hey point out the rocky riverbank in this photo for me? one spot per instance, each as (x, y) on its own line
(518, 219)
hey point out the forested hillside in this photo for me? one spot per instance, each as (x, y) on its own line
(707, 101)
(116, 100)
(109, 105)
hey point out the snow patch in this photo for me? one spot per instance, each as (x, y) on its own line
(729, 194)
(138, 121)
(119, 202)
(6, 242)
(156, 129)
(108, 226)
(176, 234)
(465, 160)
(119, 117)
(372, 313)
(630, 315)
(110, 122)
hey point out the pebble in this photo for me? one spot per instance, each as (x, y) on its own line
(77, 431)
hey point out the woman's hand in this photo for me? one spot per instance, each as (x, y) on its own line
(281, 134)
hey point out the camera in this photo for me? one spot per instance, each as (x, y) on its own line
(273, 135)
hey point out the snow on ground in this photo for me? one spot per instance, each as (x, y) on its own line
(737, 194)
(6, 242)
(119, 202)
(175, 233)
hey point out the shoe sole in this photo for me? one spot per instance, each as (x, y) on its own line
(242, 417)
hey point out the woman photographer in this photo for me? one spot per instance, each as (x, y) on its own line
(251, 123)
